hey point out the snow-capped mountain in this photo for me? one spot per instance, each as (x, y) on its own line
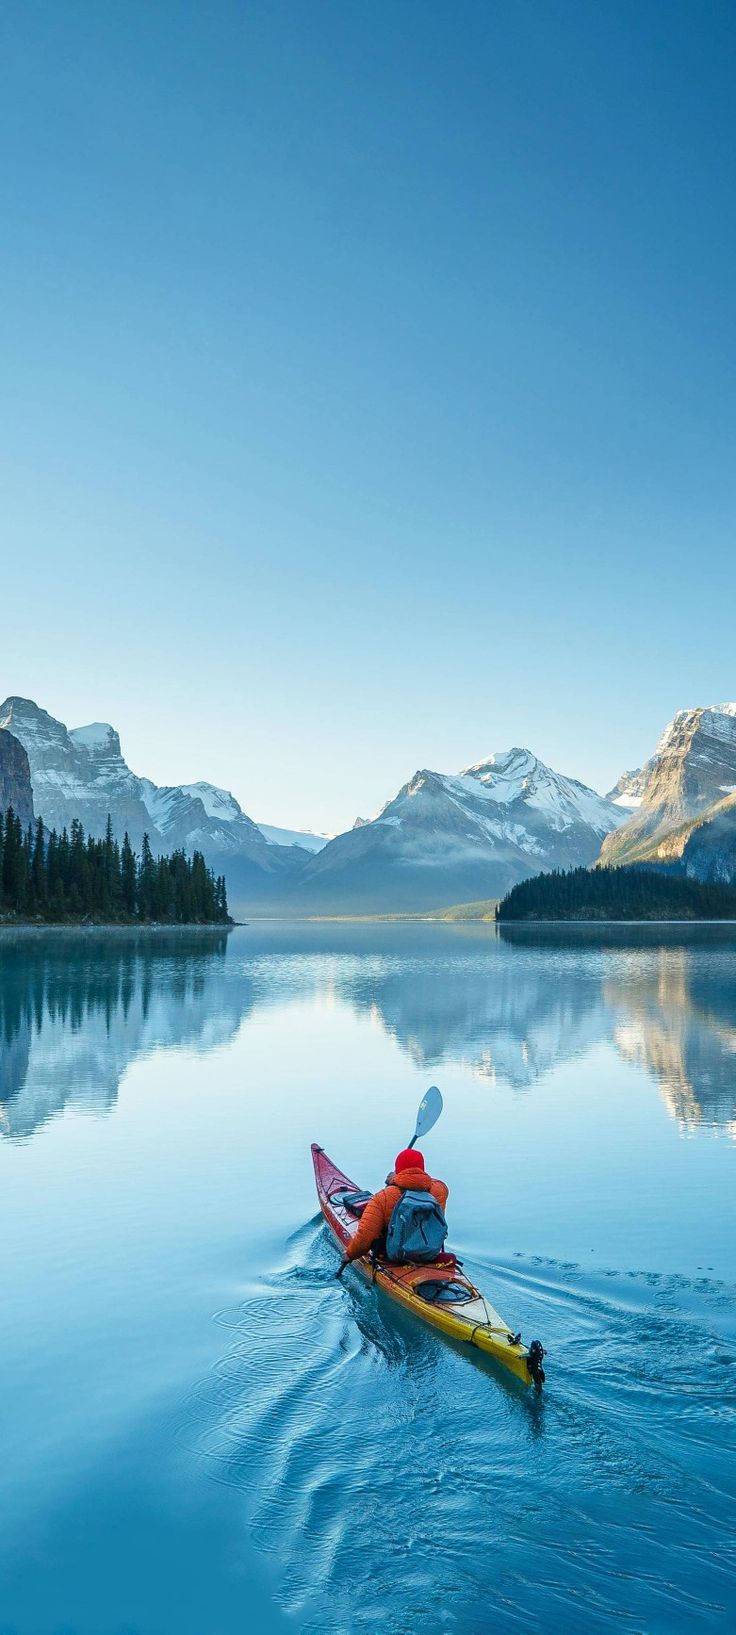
(82, 774)
(446, 839)
(79, 774)
(201, 817)
(688, 783)
(517, 779)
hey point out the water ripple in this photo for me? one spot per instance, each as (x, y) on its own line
(398, 1481)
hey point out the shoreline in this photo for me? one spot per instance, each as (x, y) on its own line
(163, 927)
(441, 919)
(157, 927)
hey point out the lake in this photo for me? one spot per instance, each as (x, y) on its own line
(204, 1433)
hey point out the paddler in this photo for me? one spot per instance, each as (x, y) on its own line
(408, 1176)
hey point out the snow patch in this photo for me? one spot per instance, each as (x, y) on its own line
(305, 838)
(97, 735)
(218, 803)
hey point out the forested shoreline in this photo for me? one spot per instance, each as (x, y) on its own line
(633, 893)
(73, 878)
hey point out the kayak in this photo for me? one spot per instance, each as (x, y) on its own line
(439, 1294)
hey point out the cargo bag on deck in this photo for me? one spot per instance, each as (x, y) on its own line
(417, 1228)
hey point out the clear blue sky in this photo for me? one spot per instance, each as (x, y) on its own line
(368, 394)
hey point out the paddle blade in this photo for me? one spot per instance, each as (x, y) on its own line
(429, 1111)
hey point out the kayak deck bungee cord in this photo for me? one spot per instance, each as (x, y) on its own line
(439, 1293)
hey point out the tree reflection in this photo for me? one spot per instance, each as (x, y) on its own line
(75, 1010)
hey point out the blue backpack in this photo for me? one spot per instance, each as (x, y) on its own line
(417, 1228)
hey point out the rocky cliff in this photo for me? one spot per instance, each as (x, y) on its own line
(79, 774)
(690, 777)
(15, 778)
(709, 847)
(629, 788)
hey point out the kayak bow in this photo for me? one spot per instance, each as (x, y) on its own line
(440, 1294)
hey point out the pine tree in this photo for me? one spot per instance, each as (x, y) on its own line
(128, 881)
(13, 870)
(38, 883)
(79, 882)
(146, 881)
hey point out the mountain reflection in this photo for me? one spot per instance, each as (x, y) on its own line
(506, 1024)
(76, 1010)
(663, 997)
(681, 1026)
(669, 994)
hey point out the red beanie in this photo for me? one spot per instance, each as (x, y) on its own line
(408, 1159)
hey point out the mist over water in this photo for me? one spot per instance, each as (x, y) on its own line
(203, 1432)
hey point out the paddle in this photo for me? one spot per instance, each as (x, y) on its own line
(429, 1111)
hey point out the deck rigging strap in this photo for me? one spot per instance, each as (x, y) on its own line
(490, 1328)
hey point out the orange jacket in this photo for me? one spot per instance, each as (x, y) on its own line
(375, 1218)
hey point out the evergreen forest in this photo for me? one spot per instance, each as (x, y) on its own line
(73, 876)
(633, 893)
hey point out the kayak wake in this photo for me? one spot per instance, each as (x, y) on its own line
(341, 1419)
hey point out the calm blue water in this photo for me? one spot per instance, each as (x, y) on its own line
(202, 1433)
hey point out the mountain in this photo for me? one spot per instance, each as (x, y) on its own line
(81, 773)
(685, 817)
(444, 839)
(15, 778)
(78, 774)
(629, 789)
(202, 817)
(199, 816)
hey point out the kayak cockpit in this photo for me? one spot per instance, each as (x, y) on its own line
(444, 1291)
(349, 1199)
